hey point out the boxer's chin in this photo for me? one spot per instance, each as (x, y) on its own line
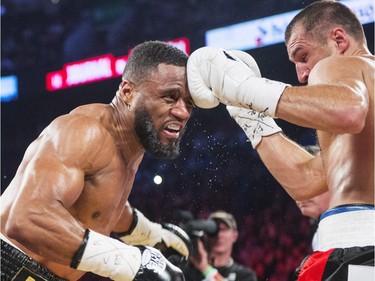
(149, 137)
(166, 151)
(160, 150)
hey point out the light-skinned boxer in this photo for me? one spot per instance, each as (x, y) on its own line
(326, 42)
(71, 189)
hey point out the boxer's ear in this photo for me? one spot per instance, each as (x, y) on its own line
(340, 37)
(127, 90)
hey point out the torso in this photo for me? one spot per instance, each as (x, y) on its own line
(349, 158)
(99, 205)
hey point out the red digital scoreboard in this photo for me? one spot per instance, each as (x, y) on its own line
(96, 69)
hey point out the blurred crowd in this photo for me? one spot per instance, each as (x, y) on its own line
(273, 241)
(49, 33)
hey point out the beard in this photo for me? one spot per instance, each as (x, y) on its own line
(148, 136)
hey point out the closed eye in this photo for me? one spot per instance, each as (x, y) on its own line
(171, 96)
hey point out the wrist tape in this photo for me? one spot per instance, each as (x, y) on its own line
(144, 232)
(107, 257)
(249, 94)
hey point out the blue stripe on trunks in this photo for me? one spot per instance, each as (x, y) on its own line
(346, 208)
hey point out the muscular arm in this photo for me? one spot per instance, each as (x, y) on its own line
(336, 99)
(52, 180)
(301, 174)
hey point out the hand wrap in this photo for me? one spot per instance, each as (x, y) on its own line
(107, 257)
(111, 258)
(170, 239)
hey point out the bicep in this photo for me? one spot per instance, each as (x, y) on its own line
(335, 100)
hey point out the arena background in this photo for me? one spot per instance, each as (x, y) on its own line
(217, 168)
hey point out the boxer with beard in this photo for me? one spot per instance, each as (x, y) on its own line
(70, 192)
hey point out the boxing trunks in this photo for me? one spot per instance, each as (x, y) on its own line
(17, 266)
(346, 236)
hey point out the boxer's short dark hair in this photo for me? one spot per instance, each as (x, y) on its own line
(318, 17)
(145, 58)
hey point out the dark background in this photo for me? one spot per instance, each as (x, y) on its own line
(217, 168)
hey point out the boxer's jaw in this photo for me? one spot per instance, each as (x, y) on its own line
(150, 139)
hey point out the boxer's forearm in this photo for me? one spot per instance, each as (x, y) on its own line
(291, 165)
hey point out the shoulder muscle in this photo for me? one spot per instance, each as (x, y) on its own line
(80, 141)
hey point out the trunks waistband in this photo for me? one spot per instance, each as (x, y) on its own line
(346, 226)
(346, 208)
(15, 265)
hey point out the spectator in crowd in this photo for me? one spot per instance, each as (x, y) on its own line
(213, 258)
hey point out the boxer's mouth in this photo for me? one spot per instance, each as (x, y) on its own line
(173, 130)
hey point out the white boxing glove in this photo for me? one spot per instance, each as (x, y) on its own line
(111, 258)
(148, 233)
(216, 75)
(255, 124)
